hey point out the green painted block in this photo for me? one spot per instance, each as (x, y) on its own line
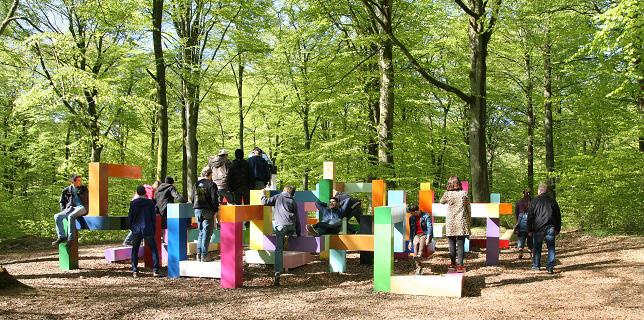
(193, 234)
(68, 253)
(383, 263)
(326, 190)
(357, 187)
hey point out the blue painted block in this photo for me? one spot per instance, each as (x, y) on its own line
(466, 245)
(495, 198)
(337, 260)
(102, 223)
(396, 198)
(180, 210)
(305, 196)
(177, 244)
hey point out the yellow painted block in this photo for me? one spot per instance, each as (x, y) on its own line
(256, 196)
(425, 186)
(448, 285)
(192, 247)
(328, 170)
(361, 242)
(485, 210)
(268, 221)
(507, 235)
(324, 254)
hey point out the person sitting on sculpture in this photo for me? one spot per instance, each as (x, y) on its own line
(74, 202)
(354, 209)
(330, 217)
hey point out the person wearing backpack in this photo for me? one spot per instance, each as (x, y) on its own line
(206, 204)
(521, 226)
(220, 166)
(167, 193)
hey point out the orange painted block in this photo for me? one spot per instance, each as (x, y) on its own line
(407, 231)
(312, 220)
(354, 242)
(230, 213)
(99, 174)
(425, 200)
(505, 208)
(378, 193)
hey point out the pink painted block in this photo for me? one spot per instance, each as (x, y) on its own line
(120, 254)
(231, 255)
(310, 207)
(465, 185)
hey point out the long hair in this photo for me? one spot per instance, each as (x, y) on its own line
(454, 184)
(524, 203)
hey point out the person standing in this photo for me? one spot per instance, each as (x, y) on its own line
(142, 217)
(521, 226)
(240, 180)
(167, 193)
(220, 166)
(259, 169)
(206, 204)
(74, 202)
(544, 223)
(150, 190)
(285, 222)
(457, 221)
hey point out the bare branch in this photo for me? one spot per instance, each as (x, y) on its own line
(467, 9)
(10, 16)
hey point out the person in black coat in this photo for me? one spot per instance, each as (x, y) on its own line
(544, 223)
(142, 224)
(74, 203)
(259, 169)
(240, 180)
(167, 193)
(205, 201)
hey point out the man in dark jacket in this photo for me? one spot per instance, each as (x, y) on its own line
(240, 180)
(285, 222)
(74, 202)
(259, 169)
(220, 166)
(544, 223)
(167, 193)
(142, 224)
(206, 204)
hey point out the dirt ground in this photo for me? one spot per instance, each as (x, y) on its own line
(596, 278)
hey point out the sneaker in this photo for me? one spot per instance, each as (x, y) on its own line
(535, 268)
(452, 267)
(135, 274)
(550, 270)
(276, 280)
(205, 258)
(311, 230)
(198, 258)
(157, 274)
(58, 241)
(419, 271)
(460, 269)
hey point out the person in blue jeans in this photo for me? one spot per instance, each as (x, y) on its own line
(544, 223)
(74, 202)
(421, 232)
(330, 217)
(285, 223)
(521, 226)
(142, 217)
(206, 204)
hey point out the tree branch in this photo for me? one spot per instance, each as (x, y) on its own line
(467, 9)
(10, 16)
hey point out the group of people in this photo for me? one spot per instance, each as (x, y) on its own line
(222, 181)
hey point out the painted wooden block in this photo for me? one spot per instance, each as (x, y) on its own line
(328, 171)
(337, 260)
(439, 230)
(362, 187)
(383, 249)
(310, 196)
(102, 223)
(119, 254)
(482, 243)
(425, 186)
(292, 259)
(425, 200)
(378, 194)
(351, 242)
(304, 244)
(231, 255)
(191, 268)
(99, 173)
(68, 253)
(325, 189)
(256, 196)
(447, 285)
(179, 214)
(192, 247)
(366, 228)
(492, 232)
(147, 253)
(240, 213)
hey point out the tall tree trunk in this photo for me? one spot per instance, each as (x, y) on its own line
(184, 151)
(386, 103)
(160, 79)
(479, 39)
(371, 90)
(239, 82)
(192, 115)
(529, 85)
(547, 104)
(94, 131)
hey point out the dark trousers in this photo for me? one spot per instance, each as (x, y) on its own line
(456, 249)
(327, 228)
(280, 233)
(136, 243)
(241, 196)
(356, 213)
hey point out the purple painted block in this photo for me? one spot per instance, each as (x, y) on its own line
(304, 244)
(231, 255)
(120, 254)
(492, 233)
(302, 217)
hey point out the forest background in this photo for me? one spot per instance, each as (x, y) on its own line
(503, 94)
